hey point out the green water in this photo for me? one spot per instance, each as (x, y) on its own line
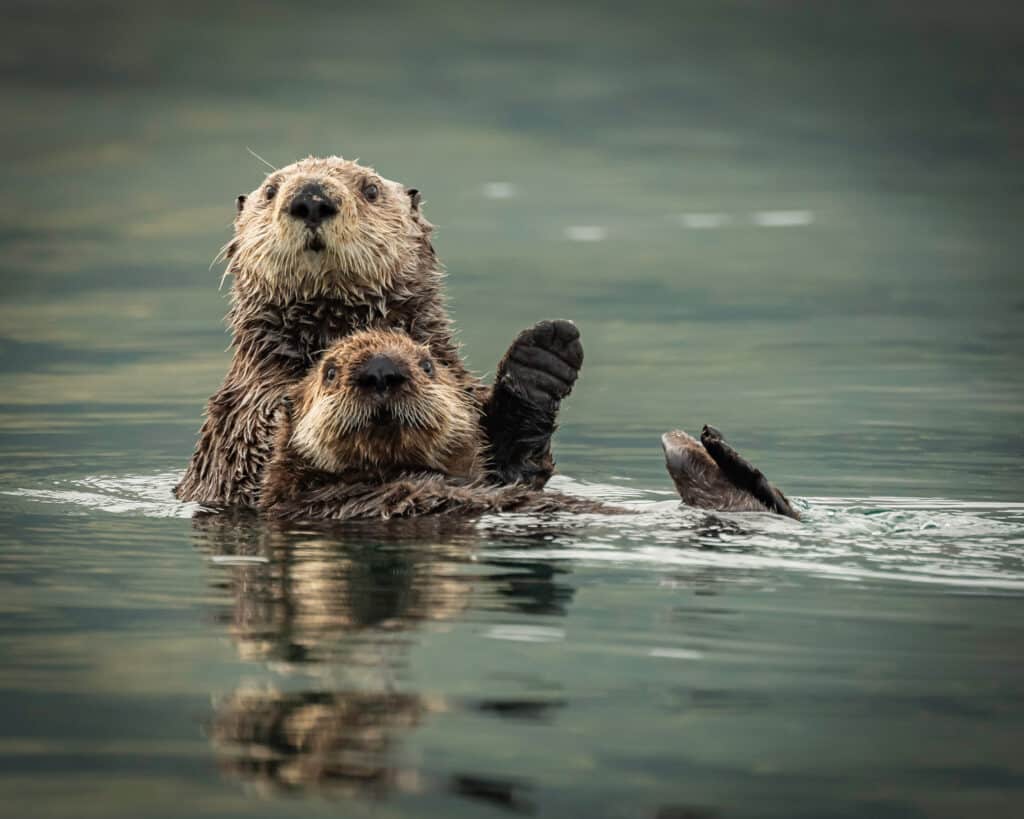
(798, 222)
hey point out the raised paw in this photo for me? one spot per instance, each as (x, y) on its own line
(543, 362)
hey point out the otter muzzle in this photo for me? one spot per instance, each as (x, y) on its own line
(312, 206)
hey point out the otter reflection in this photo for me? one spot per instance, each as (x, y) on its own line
(339, 741)
(312, 599)
(341, 608)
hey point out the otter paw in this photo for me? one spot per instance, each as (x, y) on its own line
(709, 434)
(543, 362)
(737, 469)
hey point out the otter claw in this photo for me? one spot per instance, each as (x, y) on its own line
(710, 433)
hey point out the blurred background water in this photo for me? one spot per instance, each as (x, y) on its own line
(800, 222)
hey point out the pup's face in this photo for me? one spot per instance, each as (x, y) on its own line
(326, 227)
(380, 401)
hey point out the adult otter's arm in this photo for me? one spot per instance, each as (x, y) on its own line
(235, 439)
(519, 415)
(327, 497)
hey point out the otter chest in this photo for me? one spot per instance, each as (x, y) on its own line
(295, 335)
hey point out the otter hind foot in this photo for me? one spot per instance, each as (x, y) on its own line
(710, 474)
(744, 474)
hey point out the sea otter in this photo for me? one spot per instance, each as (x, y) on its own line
(381, 428)
(325, 247)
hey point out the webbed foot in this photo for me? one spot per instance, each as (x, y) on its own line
(743, 474)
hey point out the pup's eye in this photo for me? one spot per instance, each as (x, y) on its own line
(330, 374)
(270, 191)
(371, 193)
(427, 366)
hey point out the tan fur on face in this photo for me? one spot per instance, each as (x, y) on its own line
(370, 247)
(435, 420)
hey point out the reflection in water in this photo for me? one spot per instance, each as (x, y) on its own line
(339, 605)
(340, 741)
(310, 598)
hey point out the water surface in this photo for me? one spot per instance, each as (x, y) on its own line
(801, 225)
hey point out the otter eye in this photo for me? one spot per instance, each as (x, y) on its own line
(330, 373)
(427, 366)
(371, 193)
(270, 191)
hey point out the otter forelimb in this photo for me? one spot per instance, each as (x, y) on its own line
(536, 373)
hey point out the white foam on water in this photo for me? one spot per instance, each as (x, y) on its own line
(500, 190)
(783, 218)
(586, 233)
(526, 634)
(970, 545)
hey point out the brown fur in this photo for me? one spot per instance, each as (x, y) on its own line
(719, 478)
(289, 303)
(333, 460)
(698, 479)
(339, 742)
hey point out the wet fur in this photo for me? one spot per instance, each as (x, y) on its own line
(709, 474)
(332, 461)
(378, 268)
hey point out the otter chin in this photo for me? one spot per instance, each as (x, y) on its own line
(380, 429)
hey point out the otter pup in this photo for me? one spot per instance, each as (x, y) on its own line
(325, 247)
(381, 428)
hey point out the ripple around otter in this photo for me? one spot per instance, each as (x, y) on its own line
(961, 544)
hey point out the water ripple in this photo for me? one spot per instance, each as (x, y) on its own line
(964, 544)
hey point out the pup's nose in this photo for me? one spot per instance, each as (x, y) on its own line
(381, 374)
(312, 205)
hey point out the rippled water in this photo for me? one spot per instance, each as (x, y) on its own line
(946, 542)
(670, 662)
(798, 223)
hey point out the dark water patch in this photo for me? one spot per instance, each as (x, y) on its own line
(529, 710)
(501, 793)
(27, 357)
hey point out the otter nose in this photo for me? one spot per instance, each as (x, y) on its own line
(312, 205)
(381, 374)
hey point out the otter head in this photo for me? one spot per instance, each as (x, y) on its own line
(379, 401)
(327, 227)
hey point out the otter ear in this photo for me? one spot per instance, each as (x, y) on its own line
(414, 198)
(240, 201)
